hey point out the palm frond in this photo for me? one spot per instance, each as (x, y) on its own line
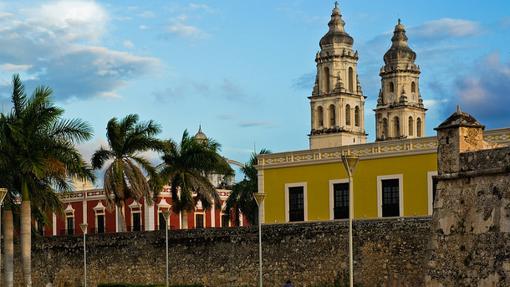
(100, 156)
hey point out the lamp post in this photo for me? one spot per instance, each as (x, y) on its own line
(350, 163)
(3, 193)
(166, 215)
(83, 227)
(259, 198)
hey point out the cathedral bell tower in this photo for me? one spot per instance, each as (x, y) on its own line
(337, 102)
(400, 112)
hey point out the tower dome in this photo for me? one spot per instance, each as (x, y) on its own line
(336, 33)
(399, 50)
(200, 136)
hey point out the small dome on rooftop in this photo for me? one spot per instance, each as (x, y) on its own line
(200, 136)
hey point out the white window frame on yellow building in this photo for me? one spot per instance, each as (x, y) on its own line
(430, 190)
(305, 199)
(400, 178)
(332, 182)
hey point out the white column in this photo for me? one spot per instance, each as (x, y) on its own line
(116, 219)
(213, 216)
(54, 224)
(84, 207)
(149, 216)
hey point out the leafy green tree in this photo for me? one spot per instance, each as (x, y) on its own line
(241, 198)
(40, 146)
(186, 167)
(124, 177)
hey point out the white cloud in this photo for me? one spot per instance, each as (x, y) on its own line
(73, 20)
(128, 44)
(446, 27)
(252, 124)
(484, 90)
(147, 14)
(143, 27)
(14, 68)
(184, 30)
(183, 20)
(197, 6)
(58, 44)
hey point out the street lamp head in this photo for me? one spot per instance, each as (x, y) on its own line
(259, 197)
(83, 227)
(3, 193)
(350, 162)
(166, 214)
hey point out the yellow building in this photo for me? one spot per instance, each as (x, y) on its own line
(394, 175)
(392, 178)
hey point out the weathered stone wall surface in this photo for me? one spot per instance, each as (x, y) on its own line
(387, 253)
(470, 239)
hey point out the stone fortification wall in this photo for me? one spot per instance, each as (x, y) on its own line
(471, 228)
(387, 253)
(470, 239)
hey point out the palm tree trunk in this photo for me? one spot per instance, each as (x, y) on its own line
(26, 242)
(26, 234)
(122, 217)
(8, 248)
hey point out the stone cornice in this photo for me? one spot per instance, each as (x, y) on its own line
(382, 149)
(98, 194)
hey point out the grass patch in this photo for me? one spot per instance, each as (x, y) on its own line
(144, 285)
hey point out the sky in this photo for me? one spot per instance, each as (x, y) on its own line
(243, 69)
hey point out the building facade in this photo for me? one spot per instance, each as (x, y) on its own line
(394, 175)
(89, 206)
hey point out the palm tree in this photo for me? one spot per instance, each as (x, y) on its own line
(241, 199)
(7, 216)
(124, 177)
(40, 146)
(186, 167)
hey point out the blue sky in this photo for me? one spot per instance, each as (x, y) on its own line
(244, 69)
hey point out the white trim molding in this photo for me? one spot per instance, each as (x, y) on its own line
(332, 182)
(69, 213)
(136, 209)
(430, 191)
(400, 178)
(305, 199)
(99, 210)
(135, 204)
(195, 219)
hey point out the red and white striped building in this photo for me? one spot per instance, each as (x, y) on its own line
(89, 206)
